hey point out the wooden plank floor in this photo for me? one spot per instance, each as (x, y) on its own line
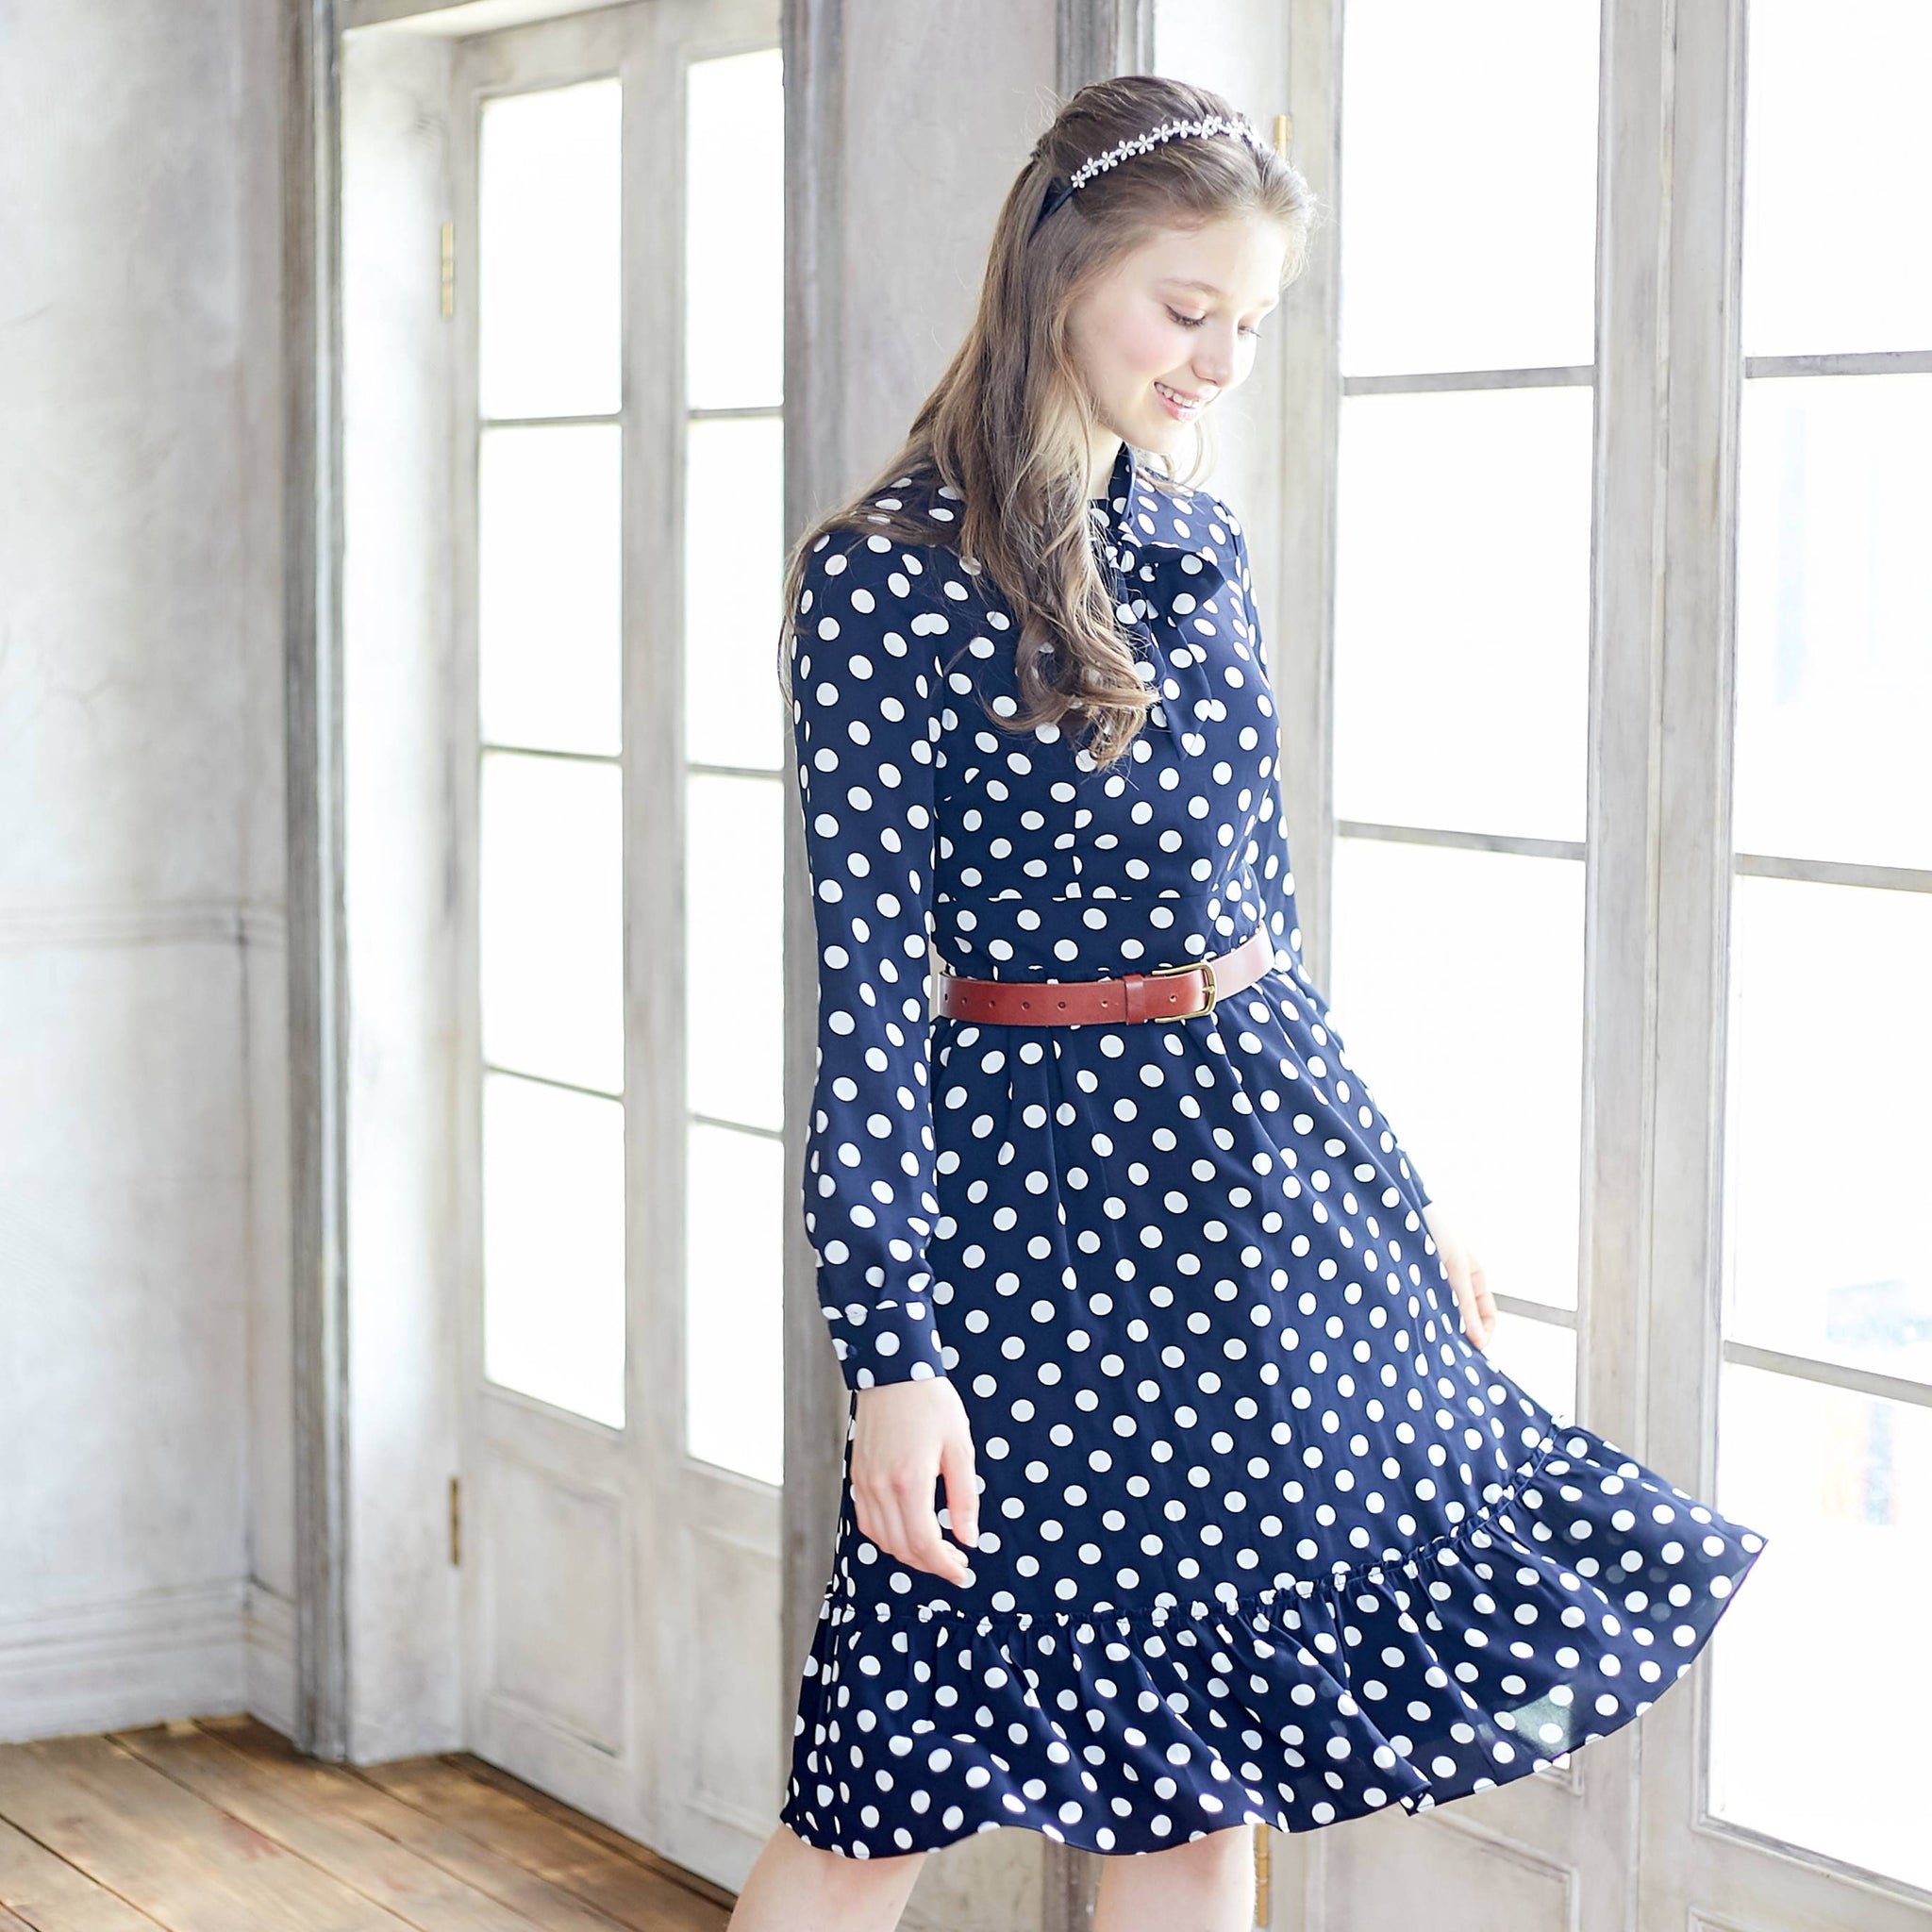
(220, 1826)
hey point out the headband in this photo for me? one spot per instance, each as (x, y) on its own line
(1138, 145)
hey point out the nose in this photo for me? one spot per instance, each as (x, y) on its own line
(1214, 359)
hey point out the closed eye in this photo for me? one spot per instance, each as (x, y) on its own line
(1196, 321)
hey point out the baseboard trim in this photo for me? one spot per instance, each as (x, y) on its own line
(269, 1633)
(198, 1651)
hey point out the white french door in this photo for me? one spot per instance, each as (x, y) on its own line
(617, 296)
(1465, 393)
(1614, 385)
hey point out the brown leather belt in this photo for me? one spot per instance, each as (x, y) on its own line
(1166, 992)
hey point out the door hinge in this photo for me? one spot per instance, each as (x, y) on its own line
(449, 270)
(455, 1518)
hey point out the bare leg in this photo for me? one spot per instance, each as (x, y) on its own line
(1203, 1885)
(795, 1887)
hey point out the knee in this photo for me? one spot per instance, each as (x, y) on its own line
(1232, 1844)
(793, 1884)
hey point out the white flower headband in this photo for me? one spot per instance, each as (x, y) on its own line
(1139, 144)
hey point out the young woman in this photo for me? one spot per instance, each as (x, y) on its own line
(1119, 1252)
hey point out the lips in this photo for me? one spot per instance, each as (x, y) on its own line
(1182, 411)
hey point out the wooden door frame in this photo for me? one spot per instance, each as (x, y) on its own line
(312, 535)
(318, 967)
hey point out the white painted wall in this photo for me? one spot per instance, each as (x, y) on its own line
(145, 1510)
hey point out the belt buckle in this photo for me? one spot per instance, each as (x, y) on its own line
(1204, 967)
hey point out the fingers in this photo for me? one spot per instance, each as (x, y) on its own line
(1473, 1305)
(1471, 1323)
(1468, 1312)
(928, 1549)
(1482, 1304)
(896, 1513)
(962, 1490)
(900, 1529)
(1475, 1322)
(1479, 1318)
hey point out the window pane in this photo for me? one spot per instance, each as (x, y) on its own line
(1834, 178)
(1468, 196)
(734, 552)
(1463, 610)
(1537, 1355)
(548, 580)
(1828, 1123)
(549, 252)
(1457, 990)
(1835, 617)
(1841, 1485)
(735, 899)
(552, 1245)
(735, 231)
(552, 919)
(734, 1332)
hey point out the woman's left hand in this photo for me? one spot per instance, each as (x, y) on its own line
(1473, 1296)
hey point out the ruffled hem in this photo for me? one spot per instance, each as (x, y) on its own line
(1553, 1614)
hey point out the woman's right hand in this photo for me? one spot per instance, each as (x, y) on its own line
(905, 1435)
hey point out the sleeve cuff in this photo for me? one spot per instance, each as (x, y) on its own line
(880, 1342)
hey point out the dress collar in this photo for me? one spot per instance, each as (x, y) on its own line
(1166, 554)
(1114, 515)
(1143, 528)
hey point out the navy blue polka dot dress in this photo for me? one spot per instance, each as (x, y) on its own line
(1264, 1538)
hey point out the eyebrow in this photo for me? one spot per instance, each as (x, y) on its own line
(1206, 288)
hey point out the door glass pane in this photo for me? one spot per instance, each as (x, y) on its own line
(1828, 1079)
(1468, 194)
(1835, 617)
(734, 555)
(1457, 980)
(1843, 1482)
(1463, 610)
(551, 918)
(548, 617)
(549, 252)
(734, 716)
(552, 1245)
(1835, 177)
(735, 231)
(550, 828)
(734, 1320)
(734, 935)
(1828, 1120)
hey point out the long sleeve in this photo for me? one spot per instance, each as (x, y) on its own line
(1276, 870)
(866, 686)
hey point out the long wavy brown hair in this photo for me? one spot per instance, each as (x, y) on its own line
(1011, 425)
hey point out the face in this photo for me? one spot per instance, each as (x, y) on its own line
(1173, 327)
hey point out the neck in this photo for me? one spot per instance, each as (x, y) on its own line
(1107, 453)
